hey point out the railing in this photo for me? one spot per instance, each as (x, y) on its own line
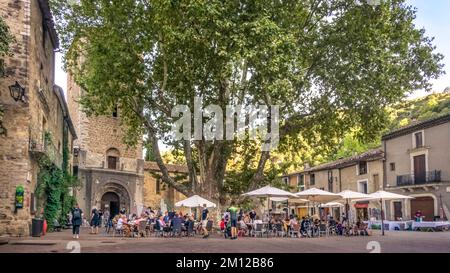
(38, 144)
(425, 178)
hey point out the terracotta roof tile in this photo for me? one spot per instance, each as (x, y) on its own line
(369, 155)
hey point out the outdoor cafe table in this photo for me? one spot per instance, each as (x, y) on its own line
(390, 225)
(430, 226)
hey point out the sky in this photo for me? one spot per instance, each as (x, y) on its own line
(433, 15)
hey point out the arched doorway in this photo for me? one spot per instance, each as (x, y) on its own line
(111, 201)
(112, 195)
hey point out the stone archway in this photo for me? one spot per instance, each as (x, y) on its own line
(114, 194)
(110, 201)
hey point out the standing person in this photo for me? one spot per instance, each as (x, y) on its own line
(100, 221)
(205, 212)
(418, 216)
(252, 215)
(77, 220)
(95, 221)
(233, 219)
(106, 217)
(123, 211)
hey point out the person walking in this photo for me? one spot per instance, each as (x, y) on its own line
(205, 212)
(95, 221)
(233, 219)
(77, 220)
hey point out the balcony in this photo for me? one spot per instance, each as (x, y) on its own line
(426, 178)
(39, 145)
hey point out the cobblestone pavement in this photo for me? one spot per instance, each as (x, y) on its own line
(401, 241)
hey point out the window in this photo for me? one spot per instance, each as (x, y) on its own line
(392, 166)
(362, 167)
(112, 162)
(112, 158)
(419, 139)
(312, 179)
(75, 170)
(301, 182)
(362, 186)
(330, 181)
(376, 182)
(158, 186)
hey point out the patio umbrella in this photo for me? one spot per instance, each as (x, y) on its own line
(268, 192)
(315, 195)
(332, 205)
(290, 201)
(384, 195)
(195, 201)
(348, 196)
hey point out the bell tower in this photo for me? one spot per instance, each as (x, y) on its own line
(111, 173)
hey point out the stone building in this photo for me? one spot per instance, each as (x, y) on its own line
(37, 116)
(114, 176)
(156, 193)
(417, 164)
(111, 174)
(361, 173)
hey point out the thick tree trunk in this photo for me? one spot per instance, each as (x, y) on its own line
(213, 159)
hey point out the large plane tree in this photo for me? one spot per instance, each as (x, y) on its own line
(331, 66)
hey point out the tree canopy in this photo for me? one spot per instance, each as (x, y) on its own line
(331, 66)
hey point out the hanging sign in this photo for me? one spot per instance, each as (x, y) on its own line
(19, 197)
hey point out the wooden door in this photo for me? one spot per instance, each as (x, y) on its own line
(112, 162)
(398, 210)
(425, 205)
(419, 169)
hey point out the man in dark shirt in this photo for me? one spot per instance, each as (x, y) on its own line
(171, 214)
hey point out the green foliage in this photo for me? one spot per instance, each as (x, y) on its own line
(54, 184)
(331, 66)
(5, 41)
(431, 106)
(400, 115)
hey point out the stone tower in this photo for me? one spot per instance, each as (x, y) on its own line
(111, 173)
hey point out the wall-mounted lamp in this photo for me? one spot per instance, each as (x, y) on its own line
(17, 91)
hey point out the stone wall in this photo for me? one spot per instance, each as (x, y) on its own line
(97, 134)
(32, 65)
(152, 197)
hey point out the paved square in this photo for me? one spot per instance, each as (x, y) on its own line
(394, 241)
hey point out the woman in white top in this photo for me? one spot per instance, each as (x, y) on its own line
(119, 225)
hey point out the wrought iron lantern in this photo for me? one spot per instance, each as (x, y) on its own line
(17, 91)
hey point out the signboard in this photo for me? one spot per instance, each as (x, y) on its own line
(19, 197)
(362, 205)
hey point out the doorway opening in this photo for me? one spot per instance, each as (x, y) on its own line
(111, 202)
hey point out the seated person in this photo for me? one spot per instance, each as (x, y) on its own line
(339, 228)
(243, 226)
(222, 224)
(120, 222)
(361, 228)
(293, 222)
(161, 223)
(303, 226)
